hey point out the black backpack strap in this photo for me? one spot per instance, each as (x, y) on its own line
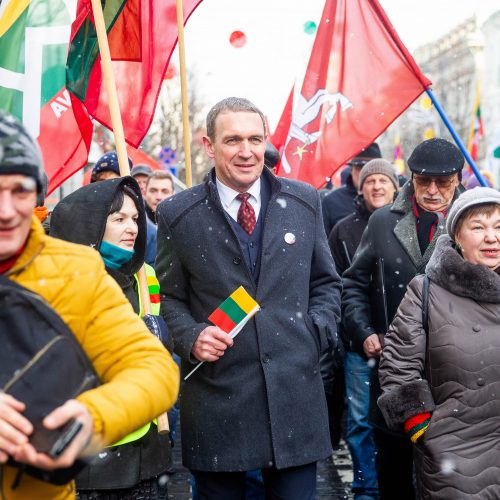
(4, 281)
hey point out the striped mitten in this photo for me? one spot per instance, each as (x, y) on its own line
(415, 426)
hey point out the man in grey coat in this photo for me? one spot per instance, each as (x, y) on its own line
(258, 401)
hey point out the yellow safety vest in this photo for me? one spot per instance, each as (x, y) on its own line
(154, 296)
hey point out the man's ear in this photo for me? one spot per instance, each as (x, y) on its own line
(207, 144)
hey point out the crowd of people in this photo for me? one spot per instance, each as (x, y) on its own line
(377, 322)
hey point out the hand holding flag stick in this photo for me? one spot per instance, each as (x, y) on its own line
(232, 315)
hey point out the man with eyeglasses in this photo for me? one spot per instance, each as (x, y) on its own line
(340, 203)
(396, 246)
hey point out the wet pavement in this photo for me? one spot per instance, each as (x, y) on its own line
(333, 478)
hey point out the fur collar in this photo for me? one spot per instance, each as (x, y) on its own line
(449, 270)
(403, 203)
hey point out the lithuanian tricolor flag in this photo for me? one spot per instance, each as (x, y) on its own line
(142, 35)
(232, 315)
(34, 41)
(234, 312)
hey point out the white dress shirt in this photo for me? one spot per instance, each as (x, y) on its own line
(231, 205)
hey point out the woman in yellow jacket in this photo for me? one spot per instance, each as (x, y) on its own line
(110, 217)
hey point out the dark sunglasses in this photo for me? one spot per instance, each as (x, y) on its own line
(441, 182)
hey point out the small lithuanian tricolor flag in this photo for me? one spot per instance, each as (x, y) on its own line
(232, 315)
(235, 311)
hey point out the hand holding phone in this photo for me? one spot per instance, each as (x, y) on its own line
(68, 433)
(76, 424)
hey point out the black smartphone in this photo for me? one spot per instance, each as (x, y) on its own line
(68, 432)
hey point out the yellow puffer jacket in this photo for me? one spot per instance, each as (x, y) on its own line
(140, 379)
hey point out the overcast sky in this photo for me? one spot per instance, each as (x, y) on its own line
(277, 47)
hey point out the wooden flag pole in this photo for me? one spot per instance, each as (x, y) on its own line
(121, 149)
(184, 98)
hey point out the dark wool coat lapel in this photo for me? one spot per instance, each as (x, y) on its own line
(449, 270)
(406, 230)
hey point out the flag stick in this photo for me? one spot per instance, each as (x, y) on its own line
(184, 97)
(237, 329)
(121, 149)
(457, 139)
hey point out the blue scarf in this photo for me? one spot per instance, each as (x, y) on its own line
(114, 257)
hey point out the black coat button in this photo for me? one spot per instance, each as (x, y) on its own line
(236, 261)
(480, 381)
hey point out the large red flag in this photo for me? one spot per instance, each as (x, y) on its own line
(142, 35)
(359, 79)
(278, 139)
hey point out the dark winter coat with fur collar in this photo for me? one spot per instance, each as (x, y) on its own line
(457, 456)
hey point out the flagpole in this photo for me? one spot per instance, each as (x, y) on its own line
(121, 149)
(457, 139)
(184, 97)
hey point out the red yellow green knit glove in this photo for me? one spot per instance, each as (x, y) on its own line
(415, 426)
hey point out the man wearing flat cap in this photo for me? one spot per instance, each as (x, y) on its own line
(396, 246)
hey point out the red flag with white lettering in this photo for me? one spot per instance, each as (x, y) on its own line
(359, 79)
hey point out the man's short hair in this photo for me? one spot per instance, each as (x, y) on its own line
(233, 104)
(160, 174)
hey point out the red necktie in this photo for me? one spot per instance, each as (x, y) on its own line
(246, 214)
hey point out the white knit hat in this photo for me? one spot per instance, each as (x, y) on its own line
(468, 199)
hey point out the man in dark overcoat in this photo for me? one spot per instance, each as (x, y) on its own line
(257, 402)
(396, 245)
(378, 184)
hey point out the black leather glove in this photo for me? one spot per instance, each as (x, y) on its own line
(158, 327)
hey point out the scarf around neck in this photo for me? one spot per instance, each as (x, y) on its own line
(113, 256)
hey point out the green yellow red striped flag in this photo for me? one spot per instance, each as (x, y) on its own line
(237, 308)
(34, 40)
(142, 36)
(232, 315)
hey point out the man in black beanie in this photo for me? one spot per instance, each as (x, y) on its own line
(396, 245)
(340, 203)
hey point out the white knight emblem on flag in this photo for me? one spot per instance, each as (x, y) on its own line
(306, 112)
